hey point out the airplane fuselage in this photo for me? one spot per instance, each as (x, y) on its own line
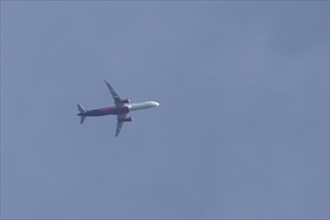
(119, 110)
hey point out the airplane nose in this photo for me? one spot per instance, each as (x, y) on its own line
(153, 104)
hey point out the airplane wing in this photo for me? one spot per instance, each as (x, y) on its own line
(120, 123)
(115, 96)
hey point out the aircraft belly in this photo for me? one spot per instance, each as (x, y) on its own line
(94, 113)
(115, 110)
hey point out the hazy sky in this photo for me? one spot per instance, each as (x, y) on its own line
(242, 130)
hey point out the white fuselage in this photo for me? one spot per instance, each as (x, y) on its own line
(141, 105)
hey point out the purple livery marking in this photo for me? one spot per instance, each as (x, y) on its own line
(115, 110)
(107, 111)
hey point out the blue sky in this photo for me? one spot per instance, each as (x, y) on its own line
(241, 131)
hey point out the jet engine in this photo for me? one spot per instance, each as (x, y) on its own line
(128, 119)
(124, 101)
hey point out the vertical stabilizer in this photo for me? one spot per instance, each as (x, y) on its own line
(82, 119)
(81, 109)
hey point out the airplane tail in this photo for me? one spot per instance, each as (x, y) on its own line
(82, 119)
(81, 110)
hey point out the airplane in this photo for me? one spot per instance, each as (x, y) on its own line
(121, 109)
